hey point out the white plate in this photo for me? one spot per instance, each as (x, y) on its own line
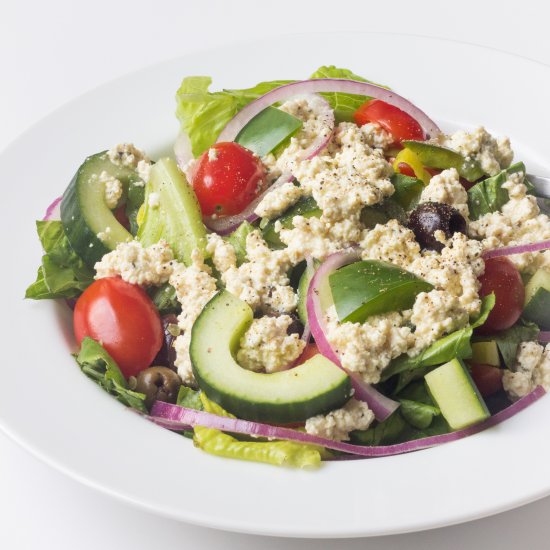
(49, 407)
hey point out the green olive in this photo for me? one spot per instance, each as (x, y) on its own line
(158, 384)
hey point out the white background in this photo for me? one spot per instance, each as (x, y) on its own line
(50, 52)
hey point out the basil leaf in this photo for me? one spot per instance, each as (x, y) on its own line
(407, 190)
(509, 340)
(381, 433)
(489, 195)
(418, 415)
(98, 365)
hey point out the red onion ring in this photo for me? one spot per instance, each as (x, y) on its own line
(282, 93)
(174, 417)
(227, 224)
(53, 212)
(516, 249)
(381, 406)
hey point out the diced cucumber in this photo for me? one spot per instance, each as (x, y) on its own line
(537, 299)
(172, 212)
(456, 395)
(89, 224)
(486, 353)
(306, 207)
(370, 287)
(314, 387)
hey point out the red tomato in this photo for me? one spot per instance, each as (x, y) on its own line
(309, 351)
(123, 319)
(487, 378)
(395, 121)
(227, 178)
(406, 170)
(502, 278)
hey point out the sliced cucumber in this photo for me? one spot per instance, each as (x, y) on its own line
(456, 395)
(486, 353)
(306, 207)
(174, 215)
(315, 387)
(303, 287)
(537, 299)
(85, 214)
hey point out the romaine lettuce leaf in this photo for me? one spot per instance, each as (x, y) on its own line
(98, 365)
(204, 114)
(62, 273)
(280, 453)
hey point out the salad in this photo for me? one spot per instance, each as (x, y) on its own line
(320, 273)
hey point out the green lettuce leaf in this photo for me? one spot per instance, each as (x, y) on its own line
(489, 195)
(165, 299)
(456, 344)
(189, 398)
(381, 433)
(98, 365)
(238, 240)
(204, 114)
(62, 273)
(280, 453)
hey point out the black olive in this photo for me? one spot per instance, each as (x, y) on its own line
(167, 353)
(158, 384)
(296, 327)
(429, 217)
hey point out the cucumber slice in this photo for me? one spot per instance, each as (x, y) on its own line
(303, 287)
(537, 299)
(85, 214)
(315, 387)
(456, 395)
(175, 215)
(486, 353)
(306, 207)
(435, 156)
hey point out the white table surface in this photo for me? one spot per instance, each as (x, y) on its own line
(53, 51)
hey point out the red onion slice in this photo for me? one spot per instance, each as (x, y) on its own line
(381, 406)
(516, 249)
(282, 93)
(53, 212)
(178, 418)
(227, 224)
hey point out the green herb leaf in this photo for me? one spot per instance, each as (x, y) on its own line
(418, 415)
(238, 240)
(489, 195)
(370, 287)
(189, 398)
(508, 340)
(407, 190)
(165, 299)
(381, 433)
(98, 365)
(267, 130)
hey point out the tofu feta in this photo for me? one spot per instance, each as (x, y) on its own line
(531, 369)
(447, 189)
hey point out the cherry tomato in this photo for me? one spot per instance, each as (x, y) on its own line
(487, 378)
(395, 121)
(406, 170)
(227, 178)
(502, 278)
(123, 319)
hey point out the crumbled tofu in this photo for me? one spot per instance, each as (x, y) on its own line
(223, 253)
(434, 314)
(143, 170)
(391, 243)
(455, 270)
(337, 425)
(194, 287)
(367, 348)
(126, 154)
(446, 188)
(113, 189)
(531, 369)
(376, 136)
(520, 222)
(277, 201)
(492, 154)
(262, 282)
(267, 347)
(151, 266)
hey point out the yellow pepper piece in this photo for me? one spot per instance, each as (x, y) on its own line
(410, 158)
